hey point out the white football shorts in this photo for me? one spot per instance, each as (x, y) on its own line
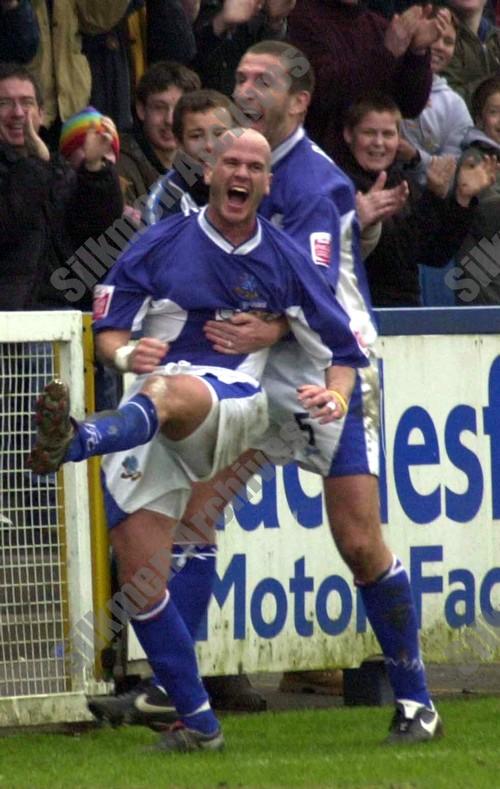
(157, 476)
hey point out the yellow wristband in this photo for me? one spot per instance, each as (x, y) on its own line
(341, 401)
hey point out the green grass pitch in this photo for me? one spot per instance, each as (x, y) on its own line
(339, 748)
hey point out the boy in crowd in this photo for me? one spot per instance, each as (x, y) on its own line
(199, 119)
(413, 235)
(476, 278)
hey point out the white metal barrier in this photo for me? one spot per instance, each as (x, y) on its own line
(45, 557)
(283, 598)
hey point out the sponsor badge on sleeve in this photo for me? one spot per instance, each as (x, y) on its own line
(102, 300)
(321, 248)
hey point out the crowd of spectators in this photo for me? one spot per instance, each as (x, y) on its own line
(131, 61)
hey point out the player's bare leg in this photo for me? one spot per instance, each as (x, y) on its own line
(176, 404)
(353, 511)
(352, 506)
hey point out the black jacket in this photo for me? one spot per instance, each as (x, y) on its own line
(217, 57)
(428, 230)
(47, 211)
(19, 33)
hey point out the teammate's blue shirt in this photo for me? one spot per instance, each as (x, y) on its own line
(183, 272)
(313, 201)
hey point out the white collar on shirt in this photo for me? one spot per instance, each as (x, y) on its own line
(243, 249)
(286, 146)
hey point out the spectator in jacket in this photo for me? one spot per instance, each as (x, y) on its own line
(476, 278)
(415, 234)
(19, 32)
(60, 64)
(441, 126)
(225, 29)
(477, 51)
(358, 52)
(148, 151)
(47, 210)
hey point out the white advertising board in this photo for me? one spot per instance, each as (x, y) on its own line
(284, 599)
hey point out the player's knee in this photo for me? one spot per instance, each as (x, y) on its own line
(156, 387)
(360, 548)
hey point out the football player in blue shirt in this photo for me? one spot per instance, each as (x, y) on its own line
(202, 408)
(314, 202)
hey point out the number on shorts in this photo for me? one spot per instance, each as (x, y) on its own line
(300, 418)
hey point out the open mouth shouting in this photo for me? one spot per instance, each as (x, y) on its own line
(237, 199)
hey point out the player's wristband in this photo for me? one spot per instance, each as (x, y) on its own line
(122, 356)
(341, 401)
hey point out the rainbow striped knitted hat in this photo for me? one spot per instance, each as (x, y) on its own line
(75, 128)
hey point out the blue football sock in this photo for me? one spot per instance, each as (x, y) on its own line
(190, 585)
(191, 582)
(170, 651)
(132, 424)
(391, 612)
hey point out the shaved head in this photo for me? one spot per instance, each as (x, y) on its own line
(242, 139)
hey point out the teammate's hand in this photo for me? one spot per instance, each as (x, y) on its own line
(321, 402)
(244, 332)
(147, 355)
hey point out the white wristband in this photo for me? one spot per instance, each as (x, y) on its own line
(121, 357)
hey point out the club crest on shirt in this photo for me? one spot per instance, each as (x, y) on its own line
(247, 291)
(321, 248)
(102, 301)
